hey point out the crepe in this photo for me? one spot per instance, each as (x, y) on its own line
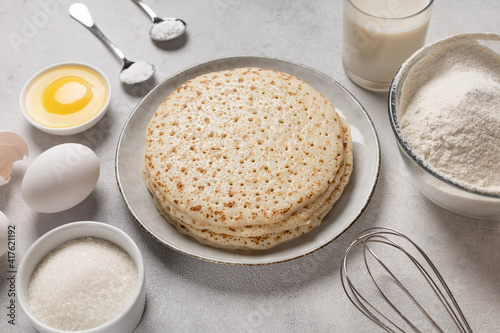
(246, 158)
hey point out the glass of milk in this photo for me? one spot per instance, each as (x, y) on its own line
(379, 35)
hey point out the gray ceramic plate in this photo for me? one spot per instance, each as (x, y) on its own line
(356, 195)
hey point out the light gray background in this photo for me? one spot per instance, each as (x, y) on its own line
(189, 295)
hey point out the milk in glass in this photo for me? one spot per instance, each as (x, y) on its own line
(379, 35)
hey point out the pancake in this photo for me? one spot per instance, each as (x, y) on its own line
(296, 219)
(239, 156)
(264, 242)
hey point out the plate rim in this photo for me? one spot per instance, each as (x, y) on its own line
(244, 57)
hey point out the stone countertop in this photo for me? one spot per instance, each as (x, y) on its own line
(185, 294)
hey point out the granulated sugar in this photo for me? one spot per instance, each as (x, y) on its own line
(82, 284)
(451, 114)
(166, 30)
(137, 72)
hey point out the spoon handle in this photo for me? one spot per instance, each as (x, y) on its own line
(81, 13)
(147, 9)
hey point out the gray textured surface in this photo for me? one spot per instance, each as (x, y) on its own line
(189, 295)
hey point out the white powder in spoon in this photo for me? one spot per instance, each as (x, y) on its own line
(82, 284)
(137, 72)
(451, 114)
(167, 29)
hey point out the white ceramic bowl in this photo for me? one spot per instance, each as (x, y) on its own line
(73, 129)
(125, 321)
(442, 191)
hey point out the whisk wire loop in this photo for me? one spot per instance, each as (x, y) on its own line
(427, 276)
(382, 236)
(395, 279)
(362, 304)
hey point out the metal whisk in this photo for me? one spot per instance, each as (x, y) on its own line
(397, 286)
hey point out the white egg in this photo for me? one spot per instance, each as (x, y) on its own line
(60, 178)
(4, 226)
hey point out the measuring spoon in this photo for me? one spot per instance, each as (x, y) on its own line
(163, 29)
(131, 72)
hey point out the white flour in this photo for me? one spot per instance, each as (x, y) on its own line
(451, 115)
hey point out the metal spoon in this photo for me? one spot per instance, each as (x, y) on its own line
(163, 29)
(129, 73)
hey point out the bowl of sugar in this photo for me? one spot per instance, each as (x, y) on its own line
(83, 277)
(443, 109)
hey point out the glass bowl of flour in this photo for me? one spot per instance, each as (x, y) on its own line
(444, 108)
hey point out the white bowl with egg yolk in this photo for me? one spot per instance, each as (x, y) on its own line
(128, 318)
(66, 98)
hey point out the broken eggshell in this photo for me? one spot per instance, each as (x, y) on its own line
(13, 148)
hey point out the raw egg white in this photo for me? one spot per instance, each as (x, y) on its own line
(66, 96)
(60, 178)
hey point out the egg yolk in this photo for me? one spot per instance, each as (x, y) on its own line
(67, 95)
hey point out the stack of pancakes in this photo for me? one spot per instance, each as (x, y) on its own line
(246, 158)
